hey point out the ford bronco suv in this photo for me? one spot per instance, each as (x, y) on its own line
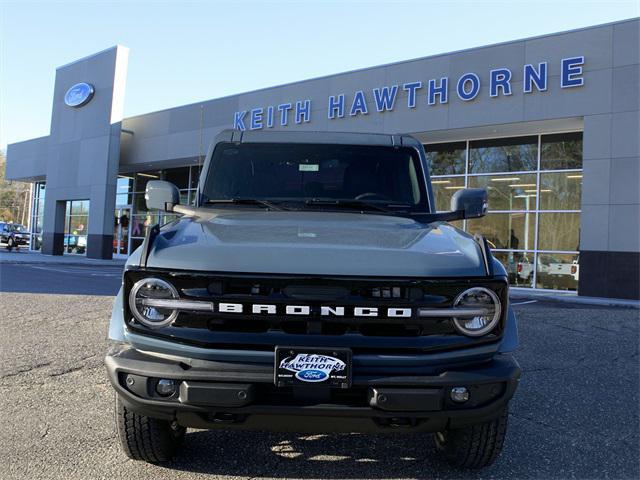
(312, 288)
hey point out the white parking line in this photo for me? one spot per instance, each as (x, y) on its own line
(80, 271)
(525, 303)
(50, 269)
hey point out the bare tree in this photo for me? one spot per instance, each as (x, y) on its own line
(14, 197)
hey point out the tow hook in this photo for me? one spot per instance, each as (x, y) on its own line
(397, 422)
(226, 418)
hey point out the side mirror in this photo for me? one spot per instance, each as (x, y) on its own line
(161, 195)
(471, 202)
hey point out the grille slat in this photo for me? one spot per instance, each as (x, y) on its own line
(368, 327)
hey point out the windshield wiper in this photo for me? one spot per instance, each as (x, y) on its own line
(246, 201)
(358, 204)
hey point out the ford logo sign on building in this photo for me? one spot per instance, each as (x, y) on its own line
(78, 95)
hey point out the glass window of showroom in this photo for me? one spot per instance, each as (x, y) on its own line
(535, 186)
(130, 195)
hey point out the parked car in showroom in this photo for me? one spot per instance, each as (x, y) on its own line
(76, 244)
(525, 267)
(559, 273)
(314, 288)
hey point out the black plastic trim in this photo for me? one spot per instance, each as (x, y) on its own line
(149, 238)
(486, 254)
(502, 369)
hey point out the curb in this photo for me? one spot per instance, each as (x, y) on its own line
(576, 299)
(76, 264)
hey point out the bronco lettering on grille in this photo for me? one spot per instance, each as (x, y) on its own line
(306, 310)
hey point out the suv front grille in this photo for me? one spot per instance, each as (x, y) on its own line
(263, 331)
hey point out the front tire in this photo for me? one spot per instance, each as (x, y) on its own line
(476, 446)
(146, 438)
(10, 244)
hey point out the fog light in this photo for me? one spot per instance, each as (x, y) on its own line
(459, 394)
(166, 387)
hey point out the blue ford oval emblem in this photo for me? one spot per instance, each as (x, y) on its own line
(79, 94)
(312, 375)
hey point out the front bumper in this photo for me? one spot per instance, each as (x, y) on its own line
(243, 395)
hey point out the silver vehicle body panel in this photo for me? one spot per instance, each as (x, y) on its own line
(315, 243)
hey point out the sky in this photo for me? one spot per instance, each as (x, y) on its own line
(183, 52)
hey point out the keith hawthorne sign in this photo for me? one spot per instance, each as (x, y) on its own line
(433, 92)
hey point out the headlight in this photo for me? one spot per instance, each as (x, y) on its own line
(146, 302)
(480, 299)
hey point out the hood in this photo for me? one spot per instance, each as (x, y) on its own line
(315, 243)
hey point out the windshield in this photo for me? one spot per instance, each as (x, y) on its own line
(347, 174)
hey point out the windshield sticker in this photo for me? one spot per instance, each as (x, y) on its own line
(303, 167)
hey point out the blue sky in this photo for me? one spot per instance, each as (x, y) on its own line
(183, 52)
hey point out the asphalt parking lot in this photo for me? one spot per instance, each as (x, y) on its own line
(61, 279)
(575, 414)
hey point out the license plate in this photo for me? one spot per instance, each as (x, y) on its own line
(330, 367)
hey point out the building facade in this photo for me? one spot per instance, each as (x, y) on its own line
(549, 125)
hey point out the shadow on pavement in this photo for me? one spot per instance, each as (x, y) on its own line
(328, 456)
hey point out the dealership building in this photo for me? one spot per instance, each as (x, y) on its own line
(549, 125)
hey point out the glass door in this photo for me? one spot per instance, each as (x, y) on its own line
(76, 223)
(121, 232)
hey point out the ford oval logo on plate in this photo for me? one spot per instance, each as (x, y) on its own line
(312, 376)
(78, 95)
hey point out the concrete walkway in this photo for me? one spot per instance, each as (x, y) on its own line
(26, 256)
(523, 294)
